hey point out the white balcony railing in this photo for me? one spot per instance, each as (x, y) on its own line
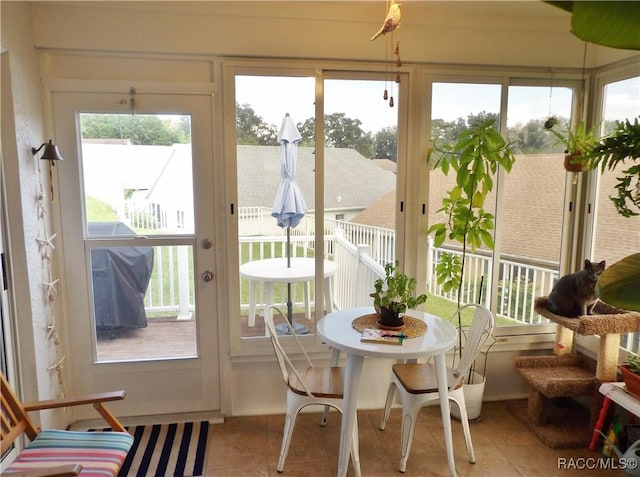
(361, 253)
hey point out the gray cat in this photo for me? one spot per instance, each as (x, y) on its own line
(574, 294)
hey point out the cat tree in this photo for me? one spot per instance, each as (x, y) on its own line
(566, 374)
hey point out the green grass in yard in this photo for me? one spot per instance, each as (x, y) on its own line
(444, 308)
(99, 211)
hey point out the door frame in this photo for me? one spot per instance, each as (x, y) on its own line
(88, 376)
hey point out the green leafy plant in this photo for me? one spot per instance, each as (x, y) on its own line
(621, 149)
(578, 143)
(396, 291)
(475, 158)
(633, 363)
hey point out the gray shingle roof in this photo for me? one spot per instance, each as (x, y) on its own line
(351, 180)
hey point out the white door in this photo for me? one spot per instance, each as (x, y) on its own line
(137, 223)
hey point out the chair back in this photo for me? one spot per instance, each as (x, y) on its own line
(14, 418)
(286, 366)
(476, 336)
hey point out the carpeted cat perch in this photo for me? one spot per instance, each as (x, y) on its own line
(555, 419)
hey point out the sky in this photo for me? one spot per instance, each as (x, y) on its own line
(272, 97)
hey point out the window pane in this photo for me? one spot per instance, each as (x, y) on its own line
(533, 201)
(455, 106)
(615, 236)
(138, 182)
(360, 183)
(262, 104)
(137, 168)
(142, 301)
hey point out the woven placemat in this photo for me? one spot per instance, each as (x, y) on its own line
(413, 327)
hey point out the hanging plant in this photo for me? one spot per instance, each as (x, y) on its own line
(578, 144)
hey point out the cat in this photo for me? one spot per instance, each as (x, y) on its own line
(574, 294)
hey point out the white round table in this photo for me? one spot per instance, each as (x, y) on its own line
(337, 331)
(275, 270)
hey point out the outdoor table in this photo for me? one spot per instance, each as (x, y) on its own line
(337, 330)
(274, 270)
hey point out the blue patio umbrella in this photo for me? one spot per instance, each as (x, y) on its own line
(289, 206)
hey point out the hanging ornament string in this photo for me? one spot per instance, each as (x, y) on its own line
(390, 23)
(584, 85)
(46, 246)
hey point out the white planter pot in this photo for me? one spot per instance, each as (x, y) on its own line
(473, 393)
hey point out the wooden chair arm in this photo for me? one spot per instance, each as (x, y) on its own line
(96, 399)
(75, 401)
(68, 470)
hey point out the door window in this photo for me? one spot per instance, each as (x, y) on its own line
(138, 182)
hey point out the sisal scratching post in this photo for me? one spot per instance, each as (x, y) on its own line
(564, 341)
(607, 368)
(551, 414)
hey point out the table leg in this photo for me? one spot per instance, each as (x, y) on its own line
(268, 295)
(443, 391)
(353, 374)
(252, 303)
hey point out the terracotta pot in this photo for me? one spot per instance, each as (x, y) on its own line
(570, 166)
(631, 380)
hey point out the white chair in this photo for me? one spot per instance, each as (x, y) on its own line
(418, 385)
(308, 386)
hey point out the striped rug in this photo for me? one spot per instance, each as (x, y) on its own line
(164, 450)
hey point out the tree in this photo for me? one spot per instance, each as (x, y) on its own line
(144, 129)
(386, 143)
(251, 128)
(340, 131)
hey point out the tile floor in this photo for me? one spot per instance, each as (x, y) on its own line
(504, 447)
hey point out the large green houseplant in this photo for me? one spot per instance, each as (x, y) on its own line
(620, 151)
(475, 158)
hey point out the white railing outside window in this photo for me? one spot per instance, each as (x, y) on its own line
(361, 253)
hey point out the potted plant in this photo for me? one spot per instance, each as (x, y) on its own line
(475, 159)
(578, 144)
(631, 374)
(394, 294)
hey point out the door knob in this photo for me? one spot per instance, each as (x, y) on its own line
(207, 276)
(206, 243)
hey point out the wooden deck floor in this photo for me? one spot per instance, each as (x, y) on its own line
(163, 338)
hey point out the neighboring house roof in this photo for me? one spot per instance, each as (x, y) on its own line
(386, 164)
(380, 213)
(351, 180)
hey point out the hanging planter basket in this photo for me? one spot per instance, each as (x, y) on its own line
(574, 163)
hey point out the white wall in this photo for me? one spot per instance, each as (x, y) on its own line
(23, 127)
(495, 33)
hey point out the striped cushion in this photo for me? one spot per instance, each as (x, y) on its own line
(99, 453)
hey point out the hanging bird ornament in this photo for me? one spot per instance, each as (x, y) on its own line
(391, 22)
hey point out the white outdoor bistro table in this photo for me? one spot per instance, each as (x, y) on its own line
(440, 337)
(274, 270)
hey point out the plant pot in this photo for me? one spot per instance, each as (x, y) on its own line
(390, 318)
(631, 380)
(571, 166)
(473, 394)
